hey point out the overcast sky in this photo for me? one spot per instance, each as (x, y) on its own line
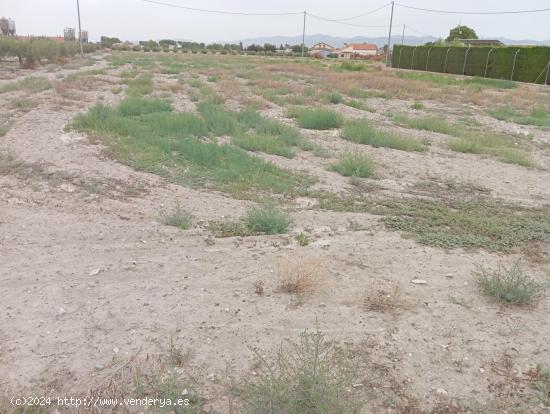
(138, 20)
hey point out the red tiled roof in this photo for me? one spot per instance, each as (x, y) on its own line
(363, 46)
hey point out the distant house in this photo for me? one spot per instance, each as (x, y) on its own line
(358, 51)
(322, 50)
(482, 42)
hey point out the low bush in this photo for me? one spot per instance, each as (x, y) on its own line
(335, 98)
(311, 376)
(510, 285)
(268, 219)
(351, 66)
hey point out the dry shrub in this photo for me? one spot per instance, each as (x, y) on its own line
(536, 251)
(385, 300)
(166, 375)
(259, 287)
(229, 88)
(302, 276)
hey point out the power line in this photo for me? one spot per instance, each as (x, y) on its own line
(344, 23)
(419, 32)
(472, 12)
(357, 16)
(178, 6)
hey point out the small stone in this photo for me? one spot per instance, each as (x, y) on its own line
(115, 350)
(61, 311)
(441, 391)
(95, 272)
(419, 282)
(185, 392)
(358, 385)
(99, 367)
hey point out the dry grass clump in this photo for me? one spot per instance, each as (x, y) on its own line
(166, 376)
(385, 300)
(302, 276)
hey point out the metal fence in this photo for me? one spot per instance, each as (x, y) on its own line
(524, 64)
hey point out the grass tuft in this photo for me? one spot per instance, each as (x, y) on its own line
(302, 239)
(268, 219)
(140, 86)
(139, 106)
(311, 118)
(510, 285)
(169, 144)
(427, 123)
(335, 98)
(264, 143)
(504, 147)
(177, 218)
(363, 132)
(32, 84)
(354, 165)
(537, 116)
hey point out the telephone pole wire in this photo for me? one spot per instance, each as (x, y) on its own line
(79, 27)
(389, 37)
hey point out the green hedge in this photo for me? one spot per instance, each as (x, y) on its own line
(531, 61)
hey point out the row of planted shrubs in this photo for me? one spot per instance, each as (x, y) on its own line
(32, 51)
(136, 48)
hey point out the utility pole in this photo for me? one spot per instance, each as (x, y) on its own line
(389, 36)
(403, 36)
(304, 34)
(79, 27)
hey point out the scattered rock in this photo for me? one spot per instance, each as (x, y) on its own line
(419, 282)
(95, 272)
(441, 391)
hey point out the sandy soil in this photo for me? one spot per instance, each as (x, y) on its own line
(89, 273)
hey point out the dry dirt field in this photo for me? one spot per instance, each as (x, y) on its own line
(272, 235)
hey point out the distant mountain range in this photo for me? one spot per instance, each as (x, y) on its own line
(379, 41)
